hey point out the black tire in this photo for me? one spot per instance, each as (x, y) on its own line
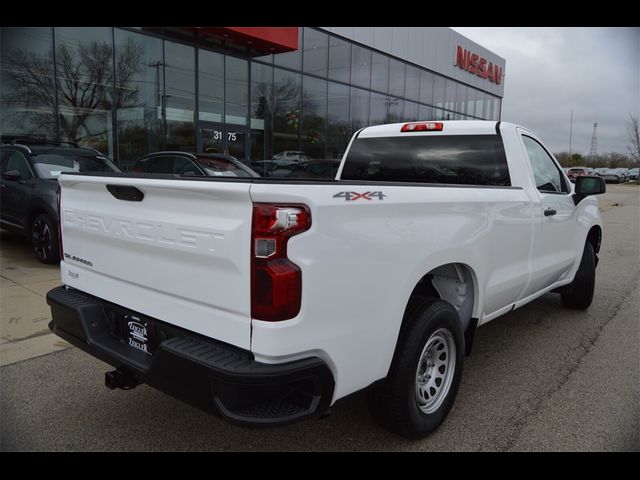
(44, 239)
(579, 293)
(394, 404)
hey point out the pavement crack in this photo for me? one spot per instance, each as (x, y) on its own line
(527, 409)
(33, 335)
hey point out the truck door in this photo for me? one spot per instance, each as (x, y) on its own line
(552, 253)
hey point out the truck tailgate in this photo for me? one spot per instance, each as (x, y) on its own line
(181, 254)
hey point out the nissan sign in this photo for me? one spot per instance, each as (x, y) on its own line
(474, 63)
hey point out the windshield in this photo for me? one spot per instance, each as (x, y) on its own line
(52, 165)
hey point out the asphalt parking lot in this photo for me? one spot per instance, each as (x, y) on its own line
(540, 378)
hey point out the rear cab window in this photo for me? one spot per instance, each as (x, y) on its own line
(446, 159)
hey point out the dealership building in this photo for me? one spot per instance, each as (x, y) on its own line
(253, 92)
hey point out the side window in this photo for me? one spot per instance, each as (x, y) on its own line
(15, 160)
(545, 172)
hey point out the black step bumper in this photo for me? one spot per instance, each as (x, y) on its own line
(209, 374)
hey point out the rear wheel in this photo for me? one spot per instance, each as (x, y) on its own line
(425, 374)
(44, 239)
(579, 293)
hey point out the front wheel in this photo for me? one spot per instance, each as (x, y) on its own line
(44, 239)
(425, 374)
(579, 293)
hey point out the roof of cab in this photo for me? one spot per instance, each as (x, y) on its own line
(449, 127)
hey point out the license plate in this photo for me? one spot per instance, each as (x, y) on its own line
(138, 333)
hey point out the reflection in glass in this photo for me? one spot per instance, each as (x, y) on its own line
(471, 102)
(339, 59)
(438, 91)
(360, 66)
(395, 110)
(261, 111)
(286, 113)
(396, 78)
(27, 98)
(337, 120)
(236, 75)
(463, 99)
(211, 85)
(450, 94)
(84, 70)
(139, 90)
(314, 117)
(316, 45)
(426, 87)
(410, 112)
(179, 72)
(425, 113)
(412, 83)
(380, 72)
(359, 114)
(378, 109)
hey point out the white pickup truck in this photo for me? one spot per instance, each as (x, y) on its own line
(266, 300)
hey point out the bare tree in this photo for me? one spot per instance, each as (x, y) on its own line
(85, 84)
(633, 132)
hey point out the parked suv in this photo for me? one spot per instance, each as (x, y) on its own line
(29, 171)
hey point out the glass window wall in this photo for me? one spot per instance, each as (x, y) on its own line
(396, 78)
(380, 72)
(286, 110)
(180, 94)
(315, 57)
(314, 117)
(211, 86)
(339, 59)
(27, 93)
(84, 71)
(139, 90)
(338, 133)
(361, 66)
(236, 81)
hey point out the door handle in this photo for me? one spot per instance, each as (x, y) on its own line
(549, 211)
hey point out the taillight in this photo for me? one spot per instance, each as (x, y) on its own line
(276, 282)
(422, 127)
(60, 249)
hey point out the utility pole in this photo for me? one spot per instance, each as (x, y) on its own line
(570, 134)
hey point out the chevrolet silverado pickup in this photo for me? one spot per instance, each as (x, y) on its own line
(265, 300)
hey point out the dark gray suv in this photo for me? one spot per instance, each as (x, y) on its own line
(29, 171)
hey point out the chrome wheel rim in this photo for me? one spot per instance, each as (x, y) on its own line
(41, 239)
(435, 370)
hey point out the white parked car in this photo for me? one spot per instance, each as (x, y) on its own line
(267, 300)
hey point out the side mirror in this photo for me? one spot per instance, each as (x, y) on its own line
(590, 186)
(586, 186)
(12, 175)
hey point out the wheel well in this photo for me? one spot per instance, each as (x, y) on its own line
(453, 282)
(595, 237)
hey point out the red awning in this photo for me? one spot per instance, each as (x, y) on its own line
(265, 39)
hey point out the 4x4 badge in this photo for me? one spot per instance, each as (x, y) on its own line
(352, 196)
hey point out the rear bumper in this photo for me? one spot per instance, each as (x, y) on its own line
(211, 375)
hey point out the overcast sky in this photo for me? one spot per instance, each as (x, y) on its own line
(552, 70)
